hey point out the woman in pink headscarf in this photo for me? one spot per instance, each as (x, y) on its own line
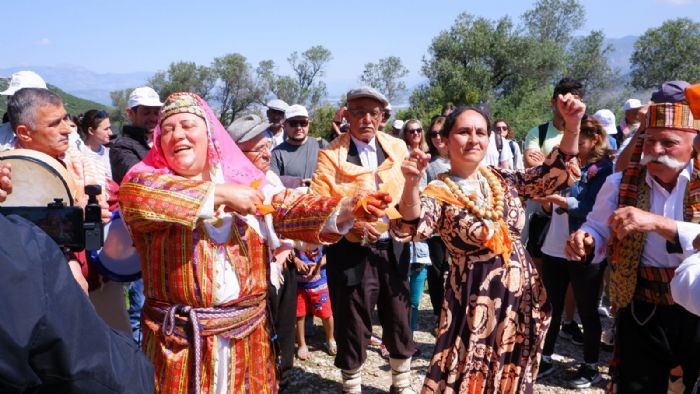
(195, 208)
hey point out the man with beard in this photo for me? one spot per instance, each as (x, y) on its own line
(135, 141)
(645, 220)
(295, 158)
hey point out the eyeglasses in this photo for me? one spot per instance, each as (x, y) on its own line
(298, 123)
(361, 113)
(500, 128)
(267, 148)
(414, 131)
(434, 134)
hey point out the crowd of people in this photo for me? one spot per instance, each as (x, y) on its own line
(246, 232)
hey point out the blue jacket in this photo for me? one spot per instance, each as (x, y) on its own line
(583, 193)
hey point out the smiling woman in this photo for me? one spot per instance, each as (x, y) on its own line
(193, 207)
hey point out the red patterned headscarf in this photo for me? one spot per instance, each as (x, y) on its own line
(222, 151)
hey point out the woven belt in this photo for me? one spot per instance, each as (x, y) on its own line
(654, 285)
(235, 320)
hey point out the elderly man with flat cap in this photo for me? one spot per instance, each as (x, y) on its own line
(363, 268)
(645, 221)
(275, 115)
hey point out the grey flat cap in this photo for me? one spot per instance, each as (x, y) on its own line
(277, 105)
(369, 92)
(246, 128)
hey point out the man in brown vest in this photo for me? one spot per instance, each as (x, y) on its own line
(645, 220)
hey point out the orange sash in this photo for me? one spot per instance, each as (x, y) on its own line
(499, 243)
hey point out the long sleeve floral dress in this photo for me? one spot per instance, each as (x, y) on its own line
(495, 313)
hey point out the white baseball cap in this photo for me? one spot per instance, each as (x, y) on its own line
(24, 79)
(607, 119)
(398, 124)
(295, 110)
(145, 96)
(631, 104)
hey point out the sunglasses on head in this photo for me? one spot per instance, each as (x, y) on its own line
(414, 131)
(101, 114)
(297, 123)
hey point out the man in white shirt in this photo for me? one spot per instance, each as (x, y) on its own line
(645, 220)
(501, 158)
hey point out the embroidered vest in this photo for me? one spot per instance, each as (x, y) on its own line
(625, 256)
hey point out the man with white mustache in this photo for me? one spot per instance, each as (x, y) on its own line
(645, 220)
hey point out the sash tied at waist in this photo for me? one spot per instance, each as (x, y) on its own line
(234, 320)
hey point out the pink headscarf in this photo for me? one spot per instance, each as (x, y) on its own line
(222, 150)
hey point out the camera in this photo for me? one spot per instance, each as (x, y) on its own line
(70, 227)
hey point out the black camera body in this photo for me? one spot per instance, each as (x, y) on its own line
(69, 227)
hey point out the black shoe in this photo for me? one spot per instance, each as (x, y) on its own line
(546, 368)
(585, 377)
(572, 332)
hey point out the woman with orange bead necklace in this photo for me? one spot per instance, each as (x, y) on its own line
(495, 313)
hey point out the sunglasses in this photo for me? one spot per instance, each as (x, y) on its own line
(500, 128)
(101, 114)
(434, 134)
(414, 131)
(298, 123)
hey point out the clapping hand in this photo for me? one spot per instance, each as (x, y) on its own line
(579, 245)
(5, 181)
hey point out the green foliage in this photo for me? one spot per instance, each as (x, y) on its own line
(669, 52)
(321, 120)
(554, 20)
(385, 76)
(183, 77)
(117, 116)
(237, 88)
(305, 86)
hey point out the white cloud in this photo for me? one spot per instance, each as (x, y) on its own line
(42, 42)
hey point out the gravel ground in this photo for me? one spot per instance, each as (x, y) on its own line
(317, 375)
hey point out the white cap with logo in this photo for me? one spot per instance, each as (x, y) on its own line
(145, 96)
(631, 104)
(24, 79)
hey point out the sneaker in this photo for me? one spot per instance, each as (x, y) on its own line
(572, 332)
(585, 377)
(546, 368)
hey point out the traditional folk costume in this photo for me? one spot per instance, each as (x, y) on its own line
(495, 313)
(653, 333)
(205, 324)
(362, 276)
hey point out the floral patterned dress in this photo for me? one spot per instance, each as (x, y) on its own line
(494, 316)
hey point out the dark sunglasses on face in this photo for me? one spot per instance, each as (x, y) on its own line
(500, 128)
(414, 131)
(434, 134)
(297, 123)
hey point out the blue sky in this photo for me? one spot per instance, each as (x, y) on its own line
(126, 36)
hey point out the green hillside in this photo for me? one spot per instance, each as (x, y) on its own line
(74, 105)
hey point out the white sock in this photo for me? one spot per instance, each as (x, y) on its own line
(352, 380)
(400, 372)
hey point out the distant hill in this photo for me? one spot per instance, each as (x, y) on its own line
(74, 105)
(82, 82)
